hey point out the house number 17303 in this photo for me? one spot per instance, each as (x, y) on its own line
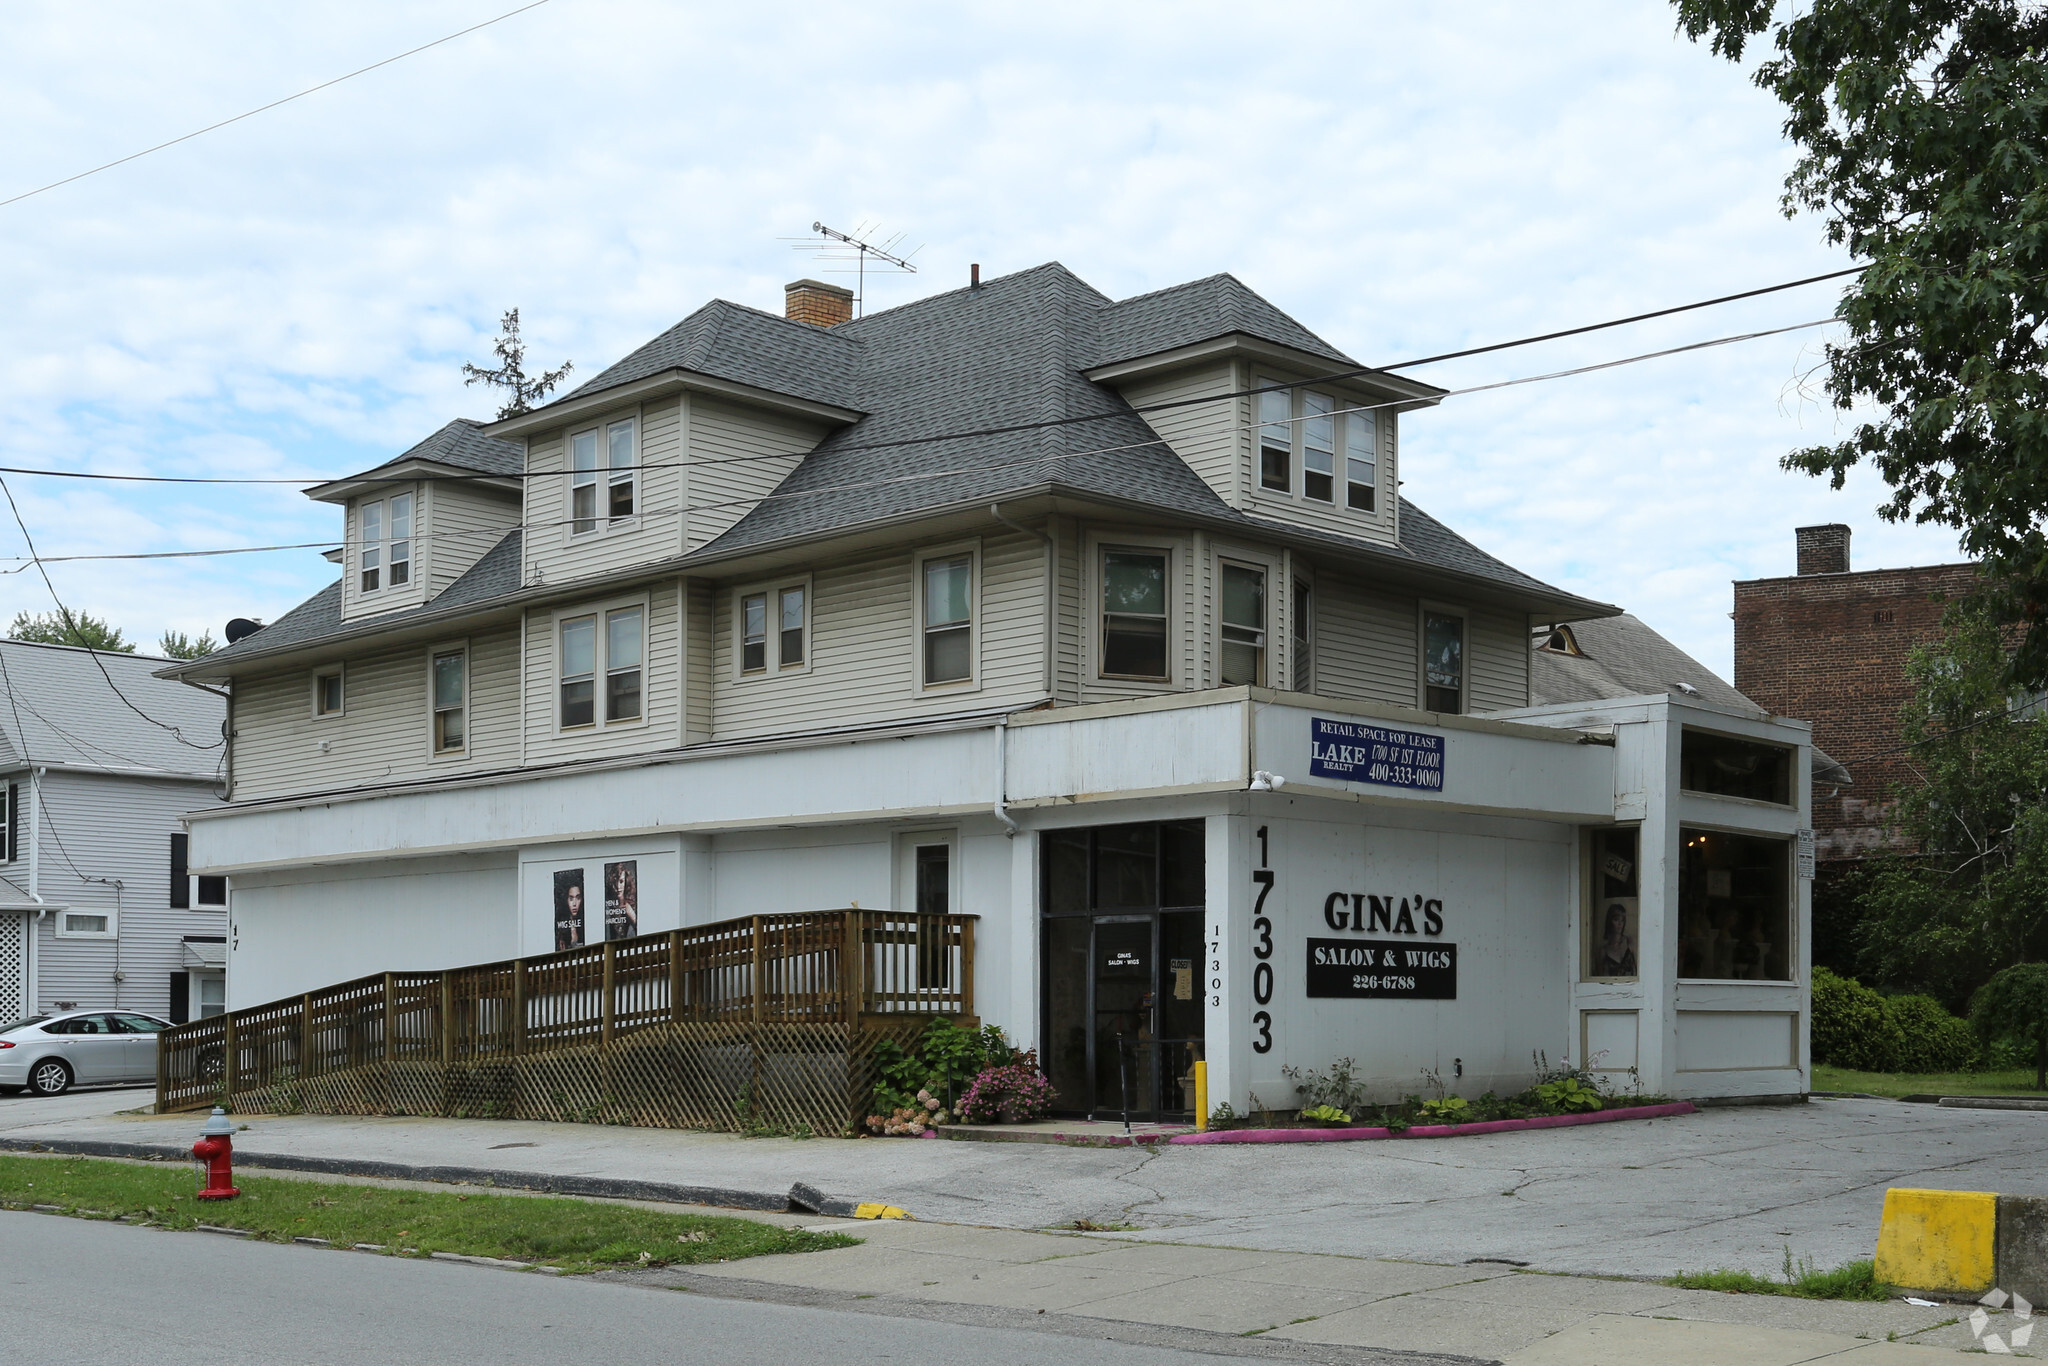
(1262, 952)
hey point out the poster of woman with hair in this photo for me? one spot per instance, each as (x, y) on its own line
(622, 899)
(568, 909)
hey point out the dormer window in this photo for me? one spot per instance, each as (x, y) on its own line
(1276, 441)
(1316, 427)
(1361, 461)
(1318, 448)
(386, 556)
(601, 469)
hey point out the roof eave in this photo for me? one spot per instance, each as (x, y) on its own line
(675, 381)
(1412, 393)
(399, 471)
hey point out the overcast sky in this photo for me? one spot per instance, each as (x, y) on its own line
(295, 294)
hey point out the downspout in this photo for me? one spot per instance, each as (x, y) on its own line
(995, 510)
(35, 827)
(1002, 810)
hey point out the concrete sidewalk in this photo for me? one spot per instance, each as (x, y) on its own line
(1290, 1288)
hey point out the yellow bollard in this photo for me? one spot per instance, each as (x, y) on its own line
(1201, 1096)
(1938, 1240)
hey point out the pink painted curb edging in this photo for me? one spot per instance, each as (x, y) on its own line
(1491, 1126)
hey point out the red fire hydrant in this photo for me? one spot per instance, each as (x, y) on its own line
(216, 1148)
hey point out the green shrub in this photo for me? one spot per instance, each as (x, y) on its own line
(1851, 1027)
(1930, 1039)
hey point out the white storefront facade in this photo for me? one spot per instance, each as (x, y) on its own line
(1273, 879)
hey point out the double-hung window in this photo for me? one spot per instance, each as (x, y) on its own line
(1242, 658)
(1443, 662)
(1276, 440)
(1320, 428)
(948, 626)
(601, 457)
(1318, 447)
(777, 613)
(371, 556)
(1361, 461)
(611, 645)
(385, 559)
(1134, 614)
(450, 681)
(401, 539)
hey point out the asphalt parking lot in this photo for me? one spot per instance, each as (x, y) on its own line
(1729, 1187)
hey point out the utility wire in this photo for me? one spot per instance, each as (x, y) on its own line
(1005, 430)
(498, 533)
(310, 90)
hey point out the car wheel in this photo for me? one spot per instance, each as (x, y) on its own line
(50, 1077)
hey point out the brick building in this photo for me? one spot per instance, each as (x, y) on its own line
(1829, 645)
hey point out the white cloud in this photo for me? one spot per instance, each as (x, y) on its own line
(294, 294)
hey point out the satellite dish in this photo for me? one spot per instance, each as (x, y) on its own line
(241, 628)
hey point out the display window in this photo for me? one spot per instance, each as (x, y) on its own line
(1613, 919)
(1734, 907)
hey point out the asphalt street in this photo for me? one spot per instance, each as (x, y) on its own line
(84, 1293)
(1733, 1187)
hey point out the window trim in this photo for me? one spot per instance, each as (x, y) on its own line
(62, 919)
(599, 611)
(433, 653)
(385, 541)
(1100, 560)
(976, 621)
(1179, 591)
(771, 644)
(1424, 610)
(604, 476)
(325, 671)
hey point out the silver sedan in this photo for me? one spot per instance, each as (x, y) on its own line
(49, 1054)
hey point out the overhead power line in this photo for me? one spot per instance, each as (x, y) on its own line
(265, 108)
(921, 476)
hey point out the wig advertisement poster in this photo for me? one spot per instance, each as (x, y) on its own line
(568, 909)
(622, 899)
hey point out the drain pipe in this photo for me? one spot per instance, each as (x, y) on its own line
(1002, 810)
(35, 830)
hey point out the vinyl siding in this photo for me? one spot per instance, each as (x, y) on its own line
(660, 681)
(462, 522)
(383, 733)
(700, 651)
(653, 533)
(1499, 643)
(762, 449)
(863, 647)
(1204, 435)
(117, 829)
(1366, 641)
(1067, 667)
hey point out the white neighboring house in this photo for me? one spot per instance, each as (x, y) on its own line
(1013, 602)
(99, 759)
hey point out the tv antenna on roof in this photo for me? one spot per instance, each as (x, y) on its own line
(830, 244)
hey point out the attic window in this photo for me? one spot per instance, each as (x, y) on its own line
(1317, 427)
(1559, 640)
(615, 471)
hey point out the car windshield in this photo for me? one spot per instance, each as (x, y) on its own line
(23, 1023)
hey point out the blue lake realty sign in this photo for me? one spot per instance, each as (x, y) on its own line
(1355, 752)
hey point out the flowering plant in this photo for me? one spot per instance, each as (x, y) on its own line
(1013, 1093)
(911, 1120)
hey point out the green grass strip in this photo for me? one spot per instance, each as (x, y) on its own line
(575, 1235)
(1896, 1084)
(1849, 1281)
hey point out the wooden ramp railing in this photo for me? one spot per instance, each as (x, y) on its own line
(769, 1020)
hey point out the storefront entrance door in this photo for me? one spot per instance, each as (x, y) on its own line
(1123, 1008)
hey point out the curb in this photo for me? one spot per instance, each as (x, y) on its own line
(963, 1134)
(801, 1198)
(1491, 1126)
(1960, 1243)
(1991, 1103)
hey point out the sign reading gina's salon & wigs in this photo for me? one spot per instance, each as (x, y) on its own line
(1354, 752)
(1419, 969)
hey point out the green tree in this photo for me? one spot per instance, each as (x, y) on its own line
(178, 645)
(66, 627)
(2014, 1005)
(1922, 127)
(521, 392)
(1974, 897)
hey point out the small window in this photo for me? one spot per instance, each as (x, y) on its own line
(754, 633)
(401, 539)
(372, 554)
(583, 483)
(1723, 766)
(1276, 440)
(1361, 461)
(212, 993)
(792, 633)
(327, 693)
(1302, 636)
(1734, 907)
(619, 440)
(1134, 614)
(1242, 659)
(1443, 662)
(209, 893)
(85, 924)
(1318, 447)
(622, 652)
(451, 701)
(948, 620)
(579, 672)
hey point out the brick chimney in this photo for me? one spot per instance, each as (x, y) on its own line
(1822, 549)
(809, 301)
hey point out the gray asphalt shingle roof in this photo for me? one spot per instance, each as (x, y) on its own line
(747, 346)
(462, 443)
(61, 709)
(1622, 657)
